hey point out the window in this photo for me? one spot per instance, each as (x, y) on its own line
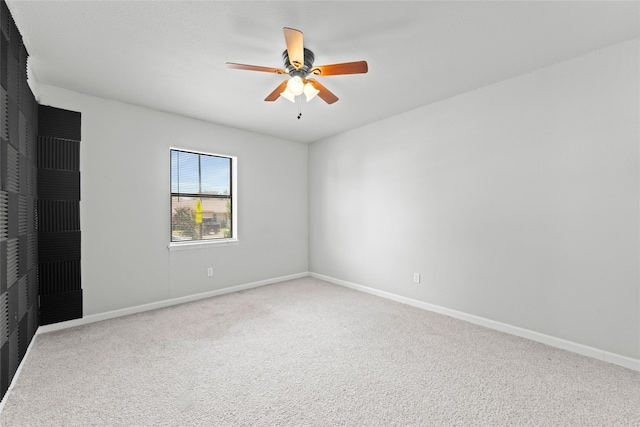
(202, 198)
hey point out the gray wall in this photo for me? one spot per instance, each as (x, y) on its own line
(124, 211)
(516, 202)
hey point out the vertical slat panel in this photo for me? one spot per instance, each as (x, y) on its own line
(58, 123)
(19, 317)
(4, 114)
(12, 104)
(14, 352)
(58, 153)
(4, 215)
(13, 170)
(23, 302)
(12, 78)
(31, 218)
(58, 215)
(58, 207)
(31, 250)
(12, 262)
(59, 277)
(4, 318)
(22, 133)
(29, 184)
(23, 215)
(5, 329)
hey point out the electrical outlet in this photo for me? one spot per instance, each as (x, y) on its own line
(416, 277)
(209, 271)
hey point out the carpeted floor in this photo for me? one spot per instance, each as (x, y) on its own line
(309, 353)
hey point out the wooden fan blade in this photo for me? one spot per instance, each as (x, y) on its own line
(255, 68)
(295, 46)
(324, 93)
(276, 93)
(358, 67)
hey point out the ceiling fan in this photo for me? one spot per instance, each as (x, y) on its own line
(298, 64)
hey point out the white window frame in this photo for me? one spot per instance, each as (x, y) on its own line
(200, 244)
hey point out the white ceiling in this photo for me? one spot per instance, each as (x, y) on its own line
(171, 55)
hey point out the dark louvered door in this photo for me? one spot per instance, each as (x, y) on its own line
(59, 215)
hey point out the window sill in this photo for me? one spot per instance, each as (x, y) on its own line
(179, 246)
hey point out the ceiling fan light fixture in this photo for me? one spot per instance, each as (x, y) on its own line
(295, 85)
(310, 92)
(288, 95)
(298, 64)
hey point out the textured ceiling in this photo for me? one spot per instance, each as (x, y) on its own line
(171, 55)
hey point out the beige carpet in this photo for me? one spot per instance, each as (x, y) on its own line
(309, 353)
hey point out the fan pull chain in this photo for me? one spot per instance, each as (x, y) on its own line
(298, 103)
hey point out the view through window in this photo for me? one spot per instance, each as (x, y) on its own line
(201, 196)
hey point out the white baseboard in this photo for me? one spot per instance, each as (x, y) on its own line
(161, 304)
(584, 350)
(552, 341)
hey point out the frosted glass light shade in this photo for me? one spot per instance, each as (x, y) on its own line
(295, 85)
(310, 92)
(288, 95)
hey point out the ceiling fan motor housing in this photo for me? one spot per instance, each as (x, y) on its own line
(302, 71)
